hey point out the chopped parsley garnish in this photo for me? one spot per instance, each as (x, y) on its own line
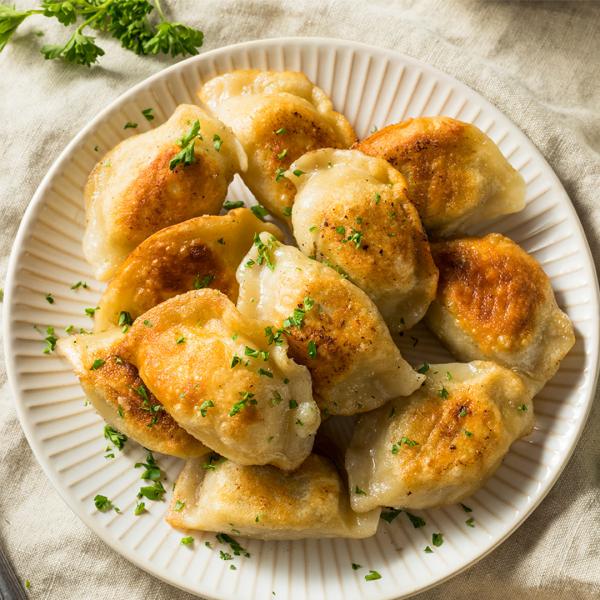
(225, 555)
(522, 408)
(142, 392)
(437, 539)
(356, 237)
(79, 284)
(117, 438)
(340, 229)
(265, 373)
(265, 256)
(148, 323)
(280, 131)
(69, 329)
(470, 522)
(235, 361)
(360, 492)
(468, 433)
(153, 409)
(205, 406)
(90, 312)
(49, 298)
(130, 125)
(156, 491)
(312, 228)
(449, 375)
(403, 440)
(282, 154)
(246, 398)
(287, 211)
(423, 368)
(377, 198)
(298, 172)
(217, 142)
(466, 508)
(230, 204)
(276, 399)
(103, 504)
(50, 340)
(297, 318)
(274, 337)
(390, 514)
(337, 268)
(372, 576)
(463, 412)
(279, 172)
(202, 282)
(180, 340)
(186, 155)
(356, 567)
(259, 211)
(140, 508)
(312, 349)
(151, 471)
(293, 404)
(179, 505)
(236, 548)
(27, 582)
(416, 521)
(428, 549)
(148, 114)
(125, 320)
(99, 362)
(187, 541)
(443, 393)
(212, 459)
(264, 354)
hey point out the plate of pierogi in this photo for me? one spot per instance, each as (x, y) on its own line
(302, 318)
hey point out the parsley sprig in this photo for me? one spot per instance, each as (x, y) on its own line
(125, 20)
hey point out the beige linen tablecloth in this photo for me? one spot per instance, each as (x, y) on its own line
(538, 62)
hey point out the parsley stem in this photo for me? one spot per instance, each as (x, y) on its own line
(160, 10)
(95, 10)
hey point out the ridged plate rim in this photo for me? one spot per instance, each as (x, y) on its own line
(36, 204)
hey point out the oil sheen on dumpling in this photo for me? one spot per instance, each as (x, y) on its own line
(132, 192)
(266, 503)
(115, 389)
(331, 326)
(456, 175)
(198, 253)
(278, 116)
(495, 302)
(212, 371)
(351, 212)
(442, 443)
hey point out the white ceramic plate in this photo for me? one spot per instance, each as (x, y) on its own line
(371, 86)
